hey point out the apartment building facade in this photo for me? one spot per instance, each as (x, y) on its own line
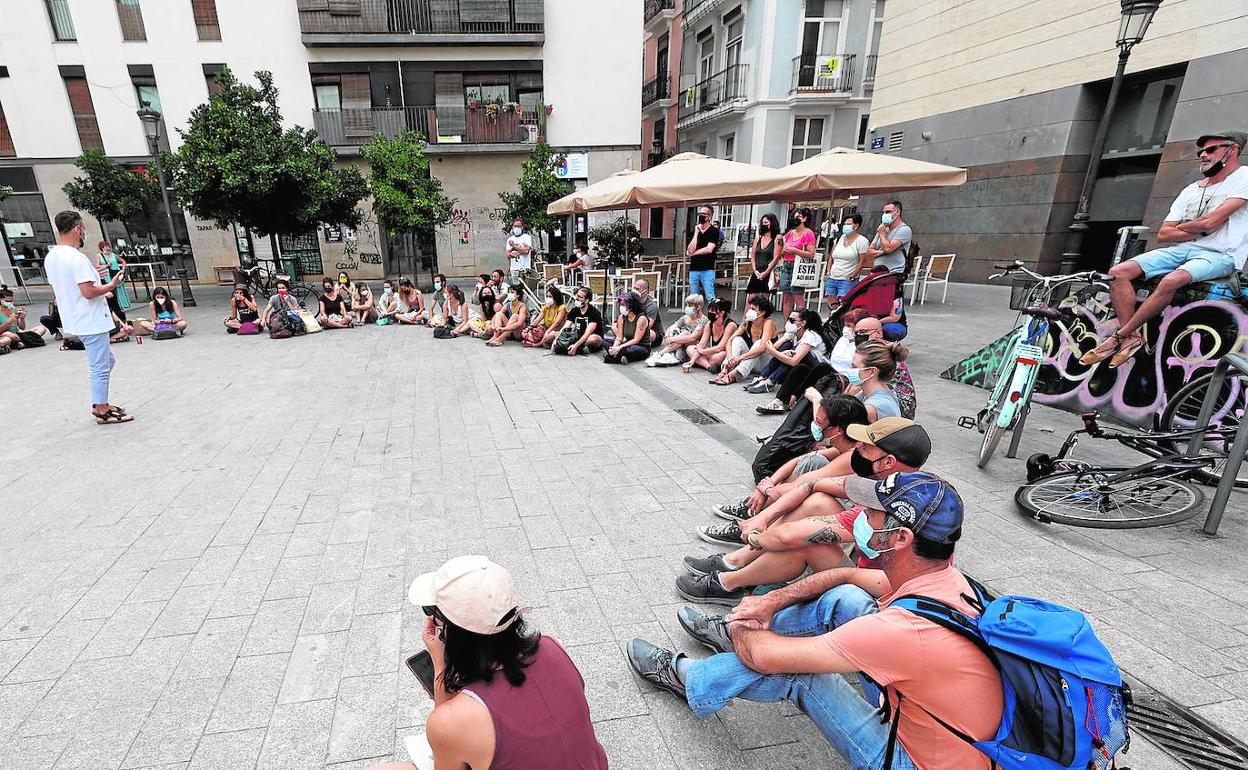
(1016, 98)
(483, 80)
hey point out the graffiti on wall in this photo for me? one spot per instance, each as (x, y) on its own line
(474, 238)
(1186, 340)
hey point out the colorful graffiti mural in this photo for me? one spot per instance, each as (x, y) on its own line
(1184, 341)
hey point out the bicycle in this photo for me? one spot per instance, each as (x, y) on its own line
(1067, 491)
(263, 282)
(1032, 296)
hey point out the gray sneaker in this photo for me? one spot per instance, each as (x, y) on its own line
(766, 386)
(706, 589)
(713, 563)
(728, 533)
(656, 665)
(732, 511)
(710, 630)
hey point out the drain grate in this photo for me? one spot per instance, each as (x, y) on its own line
(1182, 734)
(699, 416)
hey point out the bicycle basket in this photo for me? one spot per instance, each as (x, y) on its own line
(1028, 291)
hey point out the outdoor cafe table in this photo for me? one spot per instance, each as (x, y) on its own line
(149, 274)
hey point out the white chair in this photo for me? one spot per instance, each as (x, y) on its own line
(914, 279)
(939, 269)
(742, 269)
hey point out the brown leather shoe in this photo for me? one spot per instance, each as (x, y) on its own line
(1104, 350)
(1126, 349)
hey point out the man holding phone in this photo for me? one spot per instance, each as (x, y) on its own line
(81, 297)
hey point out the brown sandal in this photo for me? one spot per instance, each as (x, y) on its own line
(1127, 348)
(1106, 348)
(110, 417)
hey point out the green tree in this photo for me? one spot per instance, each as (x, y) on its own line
(539, 187)
(110, 192)
(406, 197)
(616, 240)
(237, 164)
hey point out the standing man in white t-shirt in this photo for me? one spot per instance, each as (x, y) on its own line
(519, 249)
(1208, 225)
(81, 298)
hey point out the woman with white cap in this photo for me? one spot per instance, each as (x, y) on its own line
(505, 698)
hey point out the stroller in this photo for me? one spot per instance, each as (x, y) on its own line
(876, 294)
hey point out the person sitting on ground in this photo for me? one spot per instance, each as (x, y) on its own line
(345, 287)
(811, 346)
(875, 362)
(848, 260)
(747, 348)
(839, 622)
(122, 328)
(631, 332)
(480, 314)
(411, 305)
(509, 321)
(585, 322)
(504, 696)
(870, 329)
(842, 356)
(683, 334)
(711, 351)
(454, 310)
(650, 308)
(387, 305)
(1207, 228)
(498, 284)
(335, 307)
(242, 310)
(896, 327)
(282, 301)
(765, 254)
(13, 322)
(363, 308)
(52, 321)
(164, 312)
(582, 258)
(795, 438)
(545, 327)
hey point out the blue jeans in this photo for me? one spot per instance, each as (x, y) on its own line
(705, 279)
(895, 331)
(100, 361)
(775, 370)
(850, 722)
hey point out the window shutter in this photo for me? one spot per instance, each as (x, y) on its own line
(206, 23)
(357, 101)
(6, 140)
(313, 5)
(449, 98)
(483, 10)
(529, 12)
(345, 8)
(84, 113)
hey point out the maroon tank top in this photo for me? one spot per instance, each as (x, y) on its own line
(544, 723)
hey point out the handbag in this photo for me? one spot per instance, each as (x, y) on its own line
(31, 339)
(248, 327)
(164, 332)
(805, 274)
(310, 324)
(533, 335)
(442, 332)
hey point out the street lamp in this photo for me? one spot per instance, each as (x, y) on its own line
(151, 129)
(1136, 16)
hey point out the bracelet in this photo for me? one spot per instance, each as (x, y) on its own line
(749, 539)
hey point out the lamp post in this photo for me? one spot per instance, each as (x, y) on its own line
(1136, 16)
(151, 129)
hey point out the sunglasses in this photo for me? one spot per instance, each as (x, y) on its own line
(1212, 148)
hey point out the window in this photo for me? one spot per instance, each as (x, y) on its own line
(733, 24)
(130, 16)
(206, 25)
(807, 138)
(1142, 118)
(6, 139)
(729, 145)
(328, 96)
(211, 71)
(84, 113)
(863, 122)
(662, 58)
(821, 29)
(877, 26)
(656, 224)
(706, 55)
(62, 22)
(146, 93)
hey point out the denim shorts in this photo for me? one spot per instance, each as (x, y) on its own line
(1200, 263)
(785, 282)
(838, 286)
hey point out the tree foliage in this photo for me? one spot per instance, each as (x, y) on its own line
(238, 164)
(406, 197)
(539, 187)
(110, 192)
(610, 240)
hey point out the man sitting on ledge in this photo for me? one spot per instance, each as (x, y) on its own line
(1208, 225)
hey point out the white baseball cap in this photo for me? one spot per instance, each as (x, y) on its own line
(472, 592)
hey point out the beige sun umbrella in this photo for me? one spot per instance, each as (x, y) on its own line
(842, 172)
(577, 201)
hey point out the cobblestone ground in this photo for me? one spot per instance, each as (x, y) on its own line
(221, 584)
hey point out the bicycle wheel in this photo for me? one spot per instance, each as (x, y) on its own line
(303, 292)
(1183, 409)
(992, 431)
(1087, 499)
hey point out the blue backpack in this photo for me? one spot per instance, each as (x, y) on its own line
(1064, 698)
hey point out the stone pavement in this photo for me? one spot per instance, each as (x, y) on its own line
(221, 584)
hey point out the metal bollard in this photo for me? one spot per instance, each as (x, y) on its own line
(188, 299)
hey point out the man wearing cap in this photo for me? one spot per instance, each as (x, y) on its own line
(1208, 225)
(910, 523)
(503, 697)
(806, 527)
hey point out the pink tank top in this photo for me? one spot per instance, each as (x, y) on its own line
(544, 723)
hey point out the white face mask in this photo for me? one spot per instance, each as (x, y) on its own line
(550, 302)
(751, 316)
(790, 327)
(511, 297)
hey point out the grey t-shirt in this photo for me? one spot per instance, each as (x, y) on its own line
(895, 261)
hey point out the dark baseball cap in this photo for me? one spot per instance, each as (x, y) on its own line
(1238, 137)
(904, 439)
(924, 503)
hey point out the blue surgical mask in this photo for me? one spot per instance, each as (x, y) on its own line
(887, 219)
(847, 229)
(7, 304)
(437, 286)
(853, 376)
(863, 534)
(517, 230)
(815, 431)
(689, 311)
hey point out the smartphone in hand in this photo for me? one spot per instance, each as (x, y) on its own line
(421, 665)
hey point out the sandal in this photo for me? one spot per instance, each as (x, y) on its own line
(1108, 347)
(110, 417)
(1127, 348)
(724, 379)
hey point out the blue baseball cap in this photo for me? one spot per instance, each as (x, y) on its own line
(924, 503)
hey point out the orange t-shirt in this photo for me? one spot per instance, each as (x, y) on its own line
(932, 667)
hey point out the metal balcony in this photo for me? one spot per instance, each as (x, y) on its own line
(868, 76)
(722, 88)
(355, 126)
(427, 22)
(655, 89)
(823, 73)
(653, 8)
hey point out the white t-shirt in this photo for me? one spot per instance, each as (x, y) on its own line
(818, 350)
(845, 257)
(523, 261)
(1195, 202)
(66, 267)
(842, 357)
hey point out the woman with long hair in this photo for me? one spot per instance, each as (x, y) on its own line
(712, 349)
(875, 364)
(765, 253)
(798, 243)
(242, 310)
(747, 350)
(545, 327)
(164, 311)
(335, 307)
(362, 306)
(509, 321)
(631, 330)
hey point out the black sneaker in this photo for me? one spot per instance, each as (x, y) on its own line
(733, 511)
(713, 563)
(707, 590)
(656, 665)
(728, 533)
(710, 630)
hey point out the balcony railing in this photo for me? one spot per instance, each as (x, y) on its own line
(653, 8)
(826, 73)
(355, 126)
(868, 75)
(417, 17)
(694, 9)
(726, 86)
(656, 89)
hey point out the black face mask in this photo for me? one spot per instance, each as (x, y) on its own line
(861, 338)
(764, 228)
(860, 465)
(703, 219)
(1217, 167)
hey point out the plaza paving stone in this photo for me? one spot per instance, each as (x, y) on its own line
(221, 584)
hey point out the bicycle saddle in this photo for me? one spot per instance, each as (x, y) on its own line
(1043, 311)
